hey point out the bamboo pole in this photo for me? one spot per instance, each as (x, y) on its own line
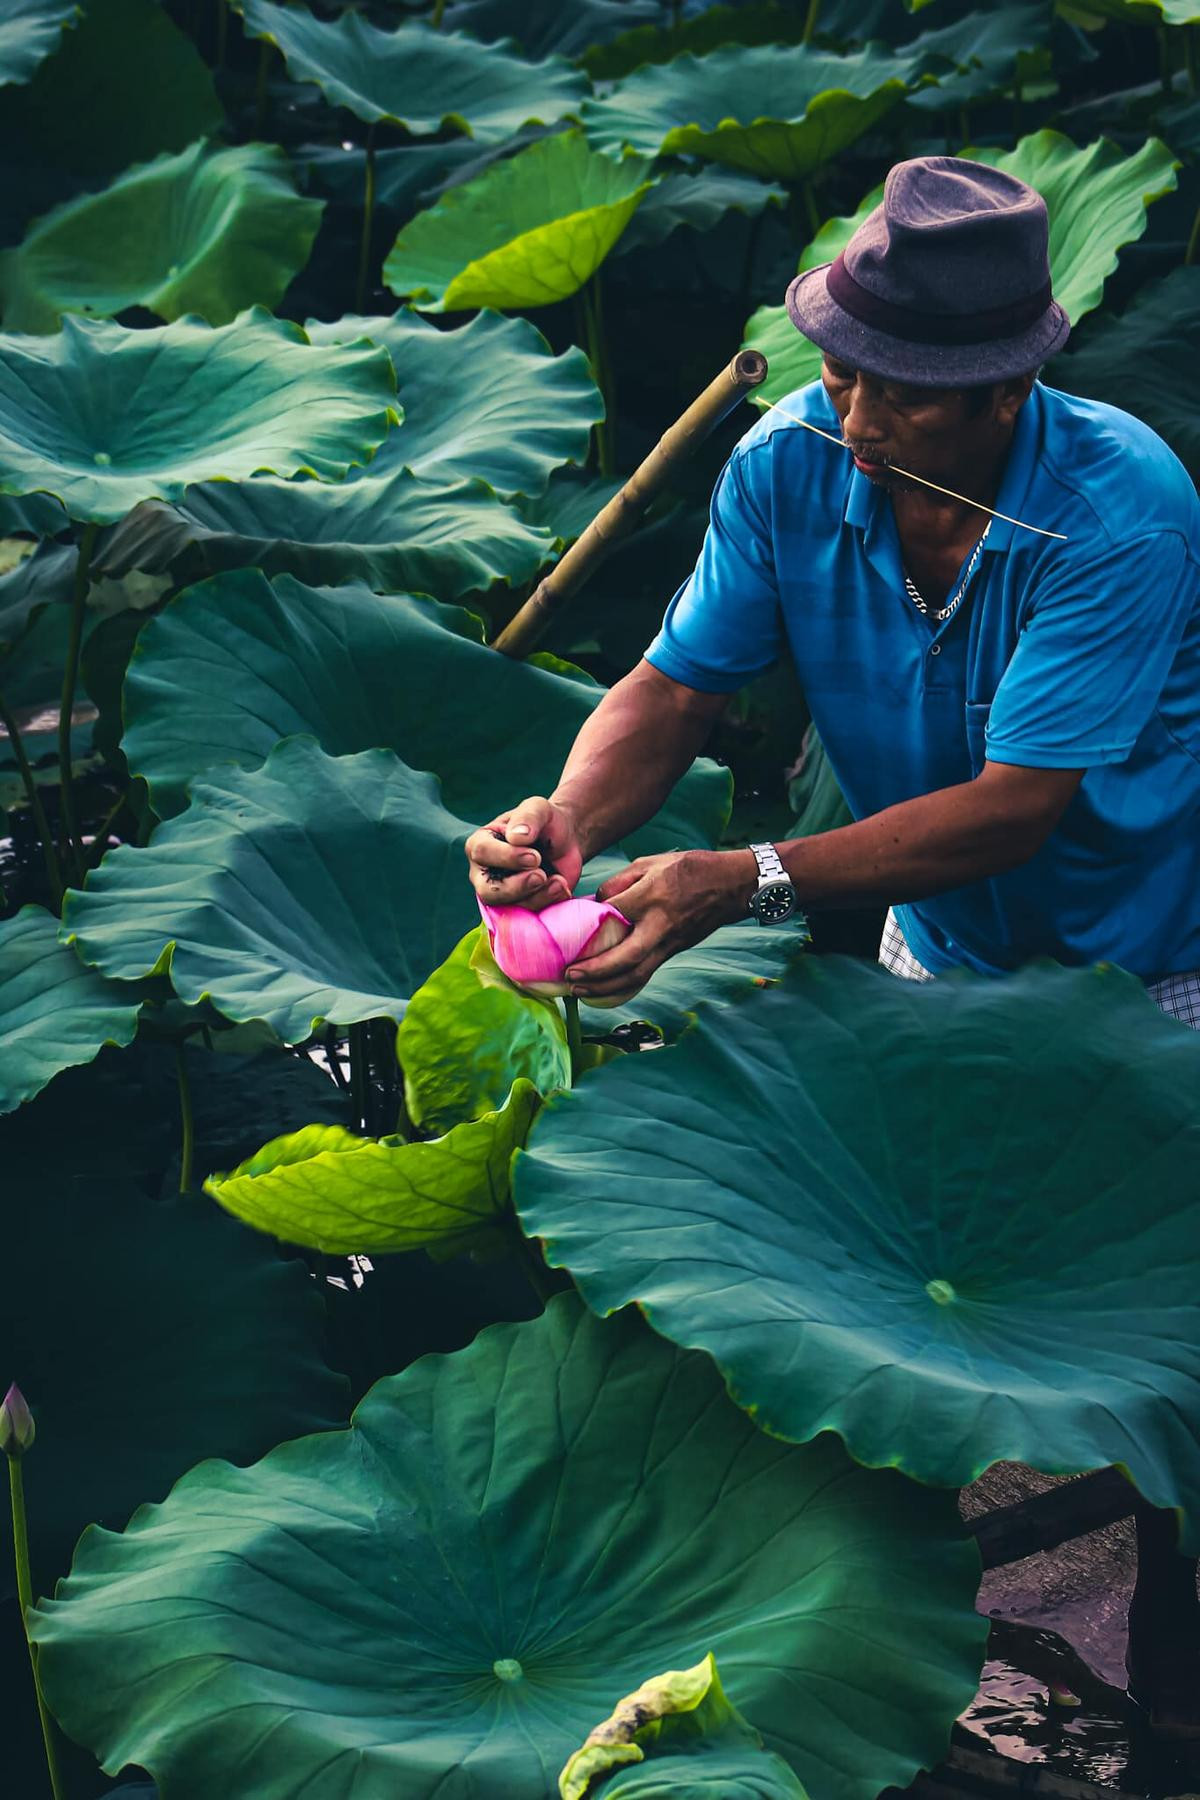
(747, 371)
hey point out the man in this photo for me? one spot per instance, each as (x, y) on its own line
(1012, 709)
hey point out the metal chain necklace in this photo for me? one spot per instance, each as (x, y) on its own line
(940, 614)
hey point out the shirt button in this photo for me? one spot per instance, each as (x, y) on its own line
(935, 649)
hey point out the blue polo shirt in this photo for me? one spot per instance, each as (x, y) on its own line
(1083, 654)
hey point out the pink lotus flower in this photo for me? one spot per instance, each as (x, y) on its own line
(535, 949)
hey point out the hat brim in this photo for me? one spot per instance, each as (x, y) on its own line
(814, 312)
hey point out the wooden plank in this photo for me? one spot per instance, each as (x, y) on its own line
(1047, 1520)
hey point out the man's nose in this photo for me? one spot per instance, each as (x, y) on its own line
(862, 422)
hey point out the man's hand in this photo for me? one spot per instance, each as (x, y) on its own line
(673, 902)
(506, 869)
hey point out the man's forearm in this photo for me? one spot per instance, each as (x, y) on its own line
(628, 756)
(931, 844)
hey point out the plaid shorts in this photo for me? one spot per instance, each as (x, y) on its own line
(1178, 995)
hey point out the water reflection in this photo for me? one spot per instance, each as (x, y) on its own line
(1013, 1713)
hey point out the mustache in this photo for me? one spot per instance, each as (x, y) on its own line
(866, 453)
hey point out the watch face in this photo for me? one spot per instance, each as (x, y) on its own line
(774, 903)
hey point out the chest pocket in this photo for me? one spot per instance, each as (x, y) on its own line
(977, 713)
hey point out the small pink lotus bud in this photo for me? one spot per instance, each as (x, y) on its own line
(535, 949)
(17, 1430)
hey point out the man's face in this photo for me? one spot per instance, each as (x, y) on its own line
(932, 431)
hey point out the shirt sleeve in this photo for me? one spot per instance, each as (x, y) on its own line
(724, 626)
(1093, 658)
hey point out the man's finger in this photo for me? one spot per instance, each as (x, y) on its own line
(529, 820)
(620, 883)
(616, 964)
(523, 888)
(487, 850)
(617, 987)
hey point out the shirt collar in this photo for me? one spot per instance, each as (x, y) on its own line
(864, 499)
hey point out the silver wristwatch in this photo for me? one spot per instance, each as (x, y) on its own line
(774, 899)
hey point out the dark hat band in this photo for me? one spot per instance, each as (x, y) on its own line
(933, 328)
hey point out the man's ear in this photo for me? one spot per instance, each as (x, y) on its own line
(1011, 396)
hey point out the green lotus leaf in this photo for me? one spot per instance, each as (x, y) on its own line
(813, 792)
(391, 530)
(779, 114)
(465, 1040)
(469, 1032)
(31, 30)
(91, 415)
(444, 1599)
(528, 232)
(1013, 1280)
(775, 22)
(167, 1334)
(315, 888)
(357, 670)
(1145, 12)
(329, 1190)
(488, 399)
(979, 56)
(124, 84)
(1159, 335)
(697, 202)
(1096, 198)
(209, 231)
(677, 1735)
(407, 176)
(568, 506)
(54, 1013)
(424, 80)
(724, 966)
(545, 26)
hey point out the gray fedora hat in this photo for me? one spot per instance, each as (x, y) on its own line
(945, 284)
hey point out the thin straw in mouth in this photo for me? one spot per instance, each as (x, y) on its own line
(774, 406)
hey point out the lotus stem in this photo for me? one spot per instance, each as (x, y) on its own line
(333, 1058)
(105, 827)
(72, 846)
(359, 1073)
(41, 822)
(439, 8)
(222, 33)
(810, 22)
(16, 1489)
(1189, 57)
(574, 1036)
(1165, 71)
(964, 122)
(593, 333)
(1193, 243)
(364, 252)
(187, 1120)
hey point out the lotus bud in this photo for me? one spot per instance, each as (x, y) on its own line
(17, 1430)
(535, 949)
